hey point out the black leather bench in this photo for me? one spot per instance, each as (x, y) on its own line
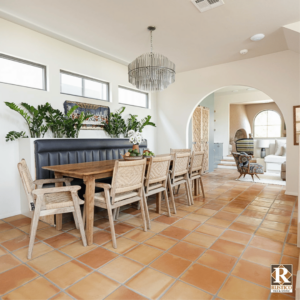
(51, 152)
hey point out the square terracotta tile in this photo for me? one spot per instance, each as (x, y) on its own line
(217, 260)
(88, 288)
(102, 223)
(271, 234)
(188, 208)
(68, 226)
(123, 245)
(49, 261)
(183, 291)
(200, 239)
(280, 212)
(144, 254)
(7, 262)
(175, 232)
(266, 244)
(15, 277)
(197, 217)
(292, 239)
(123, 293)
(204, 278)
(291, 260)
(243, 227)
(291, 250)
(218, 222)
(187, 251)
(237, 237)
(68, 273)
(132, 211)
(17, 243)
(277, 218)
(61, 296)
(97, 257)
(211, 230)
(121, 269)
(5, 227)
(158, 227)
(233, 209)
(206, 212)
(77, 249)
(101, 237)
(21, 222)
(150, 283)
(236, 288)
(122, 228)
(248, 220)
(139, 235)
(252, 272)
(38, 250)
(10, 234)
(228, 247)
(275, 226)
(226, 216)
(167, 220)
(187, 224)
(39, 288)
(2, 251)
(171, 265)
(61, 240)
(259, 208)
(179, 213)
(253, 214)
(262, 257)
(47, 233)
(76, 232)
(13, 218)
(161, 242)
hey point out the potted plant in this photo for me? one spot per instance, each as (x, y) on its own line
(135, 138)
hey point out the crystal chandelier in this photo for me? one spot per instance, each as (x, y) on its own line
(151, 71)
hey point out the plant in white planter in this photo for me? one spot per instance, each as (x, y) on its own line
(135, 138)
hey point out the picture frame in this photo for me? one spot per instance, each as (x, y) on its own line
(100, 114)
(296, 114)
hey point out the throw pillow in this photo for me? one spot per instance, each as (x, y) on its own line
(278, 147)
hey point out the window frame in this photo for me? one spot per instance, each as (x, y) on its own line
(269, 137)
(83, 85)
(137, 91)
(30, 63)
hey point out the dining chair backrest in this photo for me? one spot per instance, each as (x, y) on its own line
(27, 182)
(128, 176)
(158, 171)
(173, 151)
(197, 161)
(180, 164)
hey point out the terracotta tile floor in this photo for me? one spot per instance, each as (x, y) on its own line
(220, 248)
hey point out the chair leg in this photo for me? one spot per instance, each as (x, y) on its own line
(167, 202)
(34, 225)
(252, 177)
(171, 194)
(146, 210)
(77, 215)
(143, 212)
(178, 189)
(115, 213)
(241, 174)
(257, 176)
(75, 220)
(83, 217)
(201, 183)
(191, 191)
(111, 219)
(187, 190)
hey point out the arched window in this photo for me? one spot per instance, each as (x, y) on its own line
(267, 124)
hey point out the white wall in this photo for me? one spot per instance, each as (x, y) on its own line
(27, 44)
(277, 75)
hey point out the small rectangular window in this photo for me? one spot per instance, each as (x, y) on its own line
(78, 85)
(21, 72)
(133, 97)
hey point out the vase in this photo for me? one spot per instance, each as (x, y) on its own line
(136, 147)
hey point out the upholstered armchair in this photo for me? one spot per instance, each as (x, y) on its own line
(244, 166)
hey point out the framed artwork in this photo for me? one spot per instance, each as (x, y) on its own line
(100, 114)
(296, 124)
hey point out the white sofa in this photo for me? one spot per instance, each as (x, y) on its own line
(274, 162)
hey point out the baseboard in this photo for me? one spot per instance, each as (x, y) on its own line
(10, 214)
(291, 193)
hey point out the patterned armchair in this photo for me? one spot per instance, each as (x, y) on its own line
(244, 166)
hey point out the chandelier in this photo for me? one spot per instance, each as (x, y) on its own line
(151, 71)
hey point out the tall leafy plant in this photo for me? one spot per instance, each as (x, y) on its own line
(116, 124)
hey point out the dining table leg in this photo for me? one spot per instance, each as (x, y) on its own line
(58, 217)
(89, 207)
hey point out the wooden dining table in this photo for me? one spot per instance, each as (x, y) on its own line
(88, 172)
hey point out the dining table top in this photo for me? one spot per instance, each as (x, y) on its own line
(88, 168)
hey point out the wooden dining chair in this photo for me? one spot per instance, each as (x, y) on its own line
(179, 174)
(156, 182)
(126, 188)
(196, 171)
(173, 151)
(50, 201)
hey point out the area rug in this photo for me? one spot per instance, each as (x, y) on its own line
(268, 178)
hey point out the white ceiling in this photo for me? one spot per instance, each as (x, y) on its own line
(117, 29)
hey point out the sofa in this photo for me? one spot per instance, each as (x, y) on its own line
(276, 157)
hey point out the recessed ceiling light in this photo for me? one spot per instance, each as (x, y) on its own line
(257, 37)
(244, 51)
